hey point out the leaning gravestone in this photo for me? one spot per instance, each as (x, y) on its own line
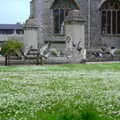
(75, 37)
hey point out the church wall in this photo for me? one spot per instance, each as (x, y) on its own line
(97, 39)
(84, 14)
(95, 24)
(44, 16)
(111, 41)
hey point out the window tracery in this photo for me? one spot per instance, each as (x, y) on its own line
(110, 12)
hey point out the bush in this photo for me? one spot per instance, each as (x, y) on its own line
(87, 112)
(11, 47)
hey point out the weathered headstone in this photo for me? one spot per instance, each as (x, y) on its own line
(30, 34)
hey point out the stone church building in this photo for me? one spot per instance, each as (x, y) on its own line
(47, 20)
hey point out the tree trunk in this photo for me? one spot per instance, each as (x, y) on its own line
(42, 61)
(6, 60)
(37, 59)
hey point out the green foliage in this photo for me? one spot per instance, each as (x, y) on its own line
(86, 112)
(11, 47)
(89, 112)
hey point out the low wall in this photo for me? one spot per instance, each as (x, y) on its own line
(13, 36)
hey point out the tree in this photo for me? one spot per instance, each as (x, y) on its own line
(11, 47)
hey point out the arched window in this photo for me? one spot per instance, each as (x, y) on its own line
(110, 11)
(60, 10)
(59, 16)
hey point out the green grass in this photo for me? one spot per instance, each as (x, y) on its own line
(60, 92)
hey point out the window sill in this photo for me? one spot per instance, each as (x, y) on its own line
(111, 35)
(58, 34)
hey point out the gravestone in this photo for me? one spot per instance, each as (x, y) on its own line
(30, 35)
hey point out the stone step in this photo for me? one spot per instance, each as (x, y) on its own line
(102, 59)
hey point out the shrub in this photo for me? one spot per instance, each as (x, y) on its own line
(11, 47)
(87, 112)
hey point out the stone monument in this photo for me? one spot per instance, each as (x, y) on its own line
(30, 34)
(75, 31)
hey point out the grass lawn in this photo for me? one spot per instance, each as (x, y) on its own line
(60, 92)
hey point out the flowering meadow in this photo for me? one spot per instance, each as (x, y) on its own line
(60, 92)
